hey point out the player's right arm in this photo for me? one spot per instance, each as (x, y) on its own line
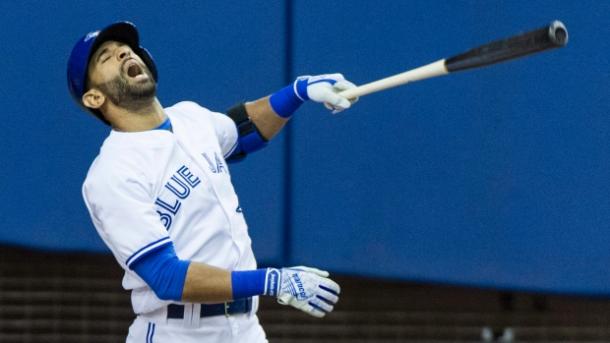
(271, 113)
(260, 120)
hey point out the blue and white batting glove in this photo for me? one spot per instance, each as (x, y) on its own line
(320, 88)
(324, 89)
(308, 289)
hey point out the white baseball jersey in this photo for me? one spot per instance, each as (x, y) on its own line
(148, 188)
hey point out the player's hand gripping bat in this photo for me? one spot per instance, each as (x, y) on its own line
(551, 36)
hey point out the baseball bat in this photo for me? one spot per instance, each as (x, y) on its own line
(554, 35)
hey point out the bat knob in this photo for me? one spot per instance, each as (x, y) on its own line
(558, 33)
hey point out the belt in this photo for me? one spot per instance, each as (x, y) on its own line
(175, 311)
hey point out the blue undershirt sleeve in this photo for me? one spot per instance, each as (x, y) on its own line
(163, 271)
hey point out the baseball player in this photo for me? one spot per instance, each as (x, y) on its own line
(160, 196)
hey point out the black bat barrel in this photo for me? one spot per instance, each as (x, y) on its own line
(551, 36)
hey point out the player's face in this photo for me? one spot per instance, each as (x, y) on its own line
(121, 75)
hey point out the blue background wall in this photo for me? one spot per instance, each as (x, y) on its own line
(494, 177)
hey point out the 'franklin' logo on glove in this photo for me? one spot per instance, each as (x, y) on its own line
(296, 287)
(272, 282)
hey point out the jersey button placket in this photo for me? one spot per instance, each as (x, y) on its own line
(200, 162)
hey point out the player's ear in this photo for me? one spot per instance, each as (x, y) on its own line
(94, 98)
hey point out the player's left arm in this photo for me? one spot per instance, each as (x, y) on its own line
(260, 120)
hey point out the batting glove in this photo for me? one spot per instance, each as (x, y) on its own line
(324, 89)
(308, 289)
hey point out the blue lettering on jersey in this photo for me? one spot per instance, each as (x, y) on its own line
(220, 167)
(180, 185)
(183, 189)
(217, 165)
(192, 180)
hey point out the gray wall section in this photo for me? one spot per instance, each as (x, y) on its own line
(494, 177)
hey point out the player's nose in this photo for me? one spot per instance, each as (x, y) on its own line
(123, 53)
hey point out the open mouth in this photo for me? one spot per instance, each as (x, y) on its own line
(133, 70)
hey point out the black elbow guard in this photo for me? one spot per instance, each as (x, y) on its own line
(249, 138)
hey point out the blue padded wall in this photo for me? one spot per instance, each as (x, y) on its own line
(492, 177)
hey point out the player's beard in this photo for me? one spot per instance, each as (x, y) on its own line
(129, 95)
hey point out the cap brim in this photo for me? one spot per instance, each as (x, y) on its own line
(124, 32)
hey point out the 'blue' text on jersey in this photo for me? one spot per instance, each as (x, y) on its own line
(180, 185)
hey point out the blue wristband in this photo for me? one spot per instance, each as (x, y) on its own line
(288, 99)
(249, 283)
